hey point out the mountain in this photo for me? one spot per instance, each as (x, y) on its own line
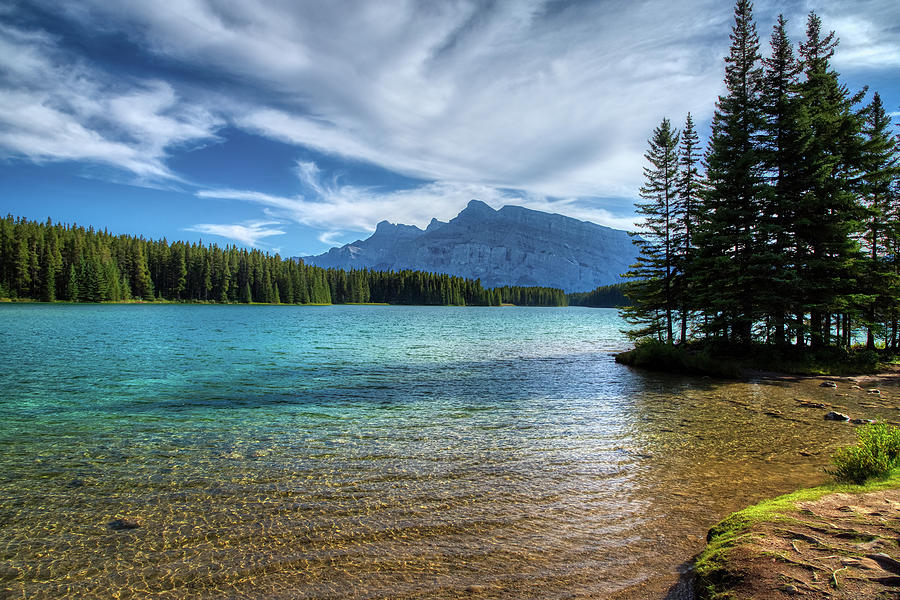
(510, 246)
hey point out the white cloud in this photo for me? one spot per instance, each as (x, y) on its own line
(556, 99)
(330, 238)
(867, 29)
(250, 233)
(545, 97)
(57, 109)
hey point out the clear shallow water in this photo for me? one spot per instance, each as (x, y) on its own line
(370, 452)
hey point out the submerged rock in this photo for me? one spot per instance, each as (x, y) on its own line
(862, 421)
(836, 416)
(828, 384)
(807, 404)
(124, 523)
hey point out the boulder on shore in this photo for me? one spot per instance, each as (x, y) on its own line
(836, 416)
(124, 523)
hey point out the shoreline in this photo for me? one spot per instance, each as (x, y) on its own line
(753, 566)
(214, 303)
(758, 361)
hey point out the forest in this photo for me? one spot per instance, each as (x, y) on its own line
(604, 296)
(54, 262)
(785, 231)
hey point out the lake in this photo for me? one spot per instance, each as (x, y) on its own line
(371, 452)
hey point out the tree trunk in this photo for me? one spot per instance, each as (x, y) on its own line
(669, 334)
(815, 329)
(894, 335)
(870, 329)
(779, 329)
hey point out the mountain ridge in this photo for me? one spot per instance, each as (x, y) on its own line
(510, 246)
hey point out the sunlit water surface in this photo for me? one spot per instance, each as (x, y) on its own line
(370, 452)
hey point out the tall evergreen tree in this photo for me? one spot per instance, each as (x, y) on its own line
(828, 212)
(783, 143)
(651, 287)
(880, 171)
(689, 186)
(728, 235)
(141, 284)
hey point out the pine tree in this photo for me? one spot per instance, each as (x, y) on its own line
(728, 266)
(22, 267)
(652, 288)
(72, 292)
(141, 284)
(177, 269)
(893, 228)
(783, 143)
(690, 185)
(880, 172)
(246, 297)
(827, 212)
(49, 268)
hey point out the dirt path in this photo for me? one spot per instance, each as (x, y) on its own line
(841, 546)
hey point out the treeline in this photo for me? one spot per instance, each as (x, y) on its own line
(50, 262)
(605, 296)
(532, 296)
(787, 229)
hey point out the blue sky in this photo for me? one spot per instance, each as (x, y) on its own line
(293, 126)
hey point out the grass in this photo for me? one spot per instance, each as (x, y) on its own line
(714, 358)
(876, 454)
(856, 473)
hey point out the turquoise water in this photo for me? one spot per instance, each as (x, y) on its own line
(366, 451)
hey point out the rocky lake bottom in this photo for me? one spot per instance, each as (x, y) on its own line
(375, 452)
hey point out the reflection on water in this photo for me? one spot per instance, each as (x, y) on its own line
(371, 452)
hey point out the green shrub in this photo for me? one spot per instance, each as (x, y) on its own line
(876, 454)
(695, 359)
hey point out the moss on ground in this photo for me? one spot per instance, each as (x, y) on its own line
(717, 570)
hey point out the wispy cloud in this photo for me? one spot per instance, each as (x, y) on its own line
(58, 109)
(551, 98)
(330, 238)
(250, 233)
(554, 99)
(868, 32)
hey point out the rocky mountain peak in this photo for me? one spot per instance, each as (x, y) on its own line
(510, 246)
(475, 209)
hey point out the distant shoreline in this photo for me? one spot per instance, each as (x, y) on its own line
(214, 303)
